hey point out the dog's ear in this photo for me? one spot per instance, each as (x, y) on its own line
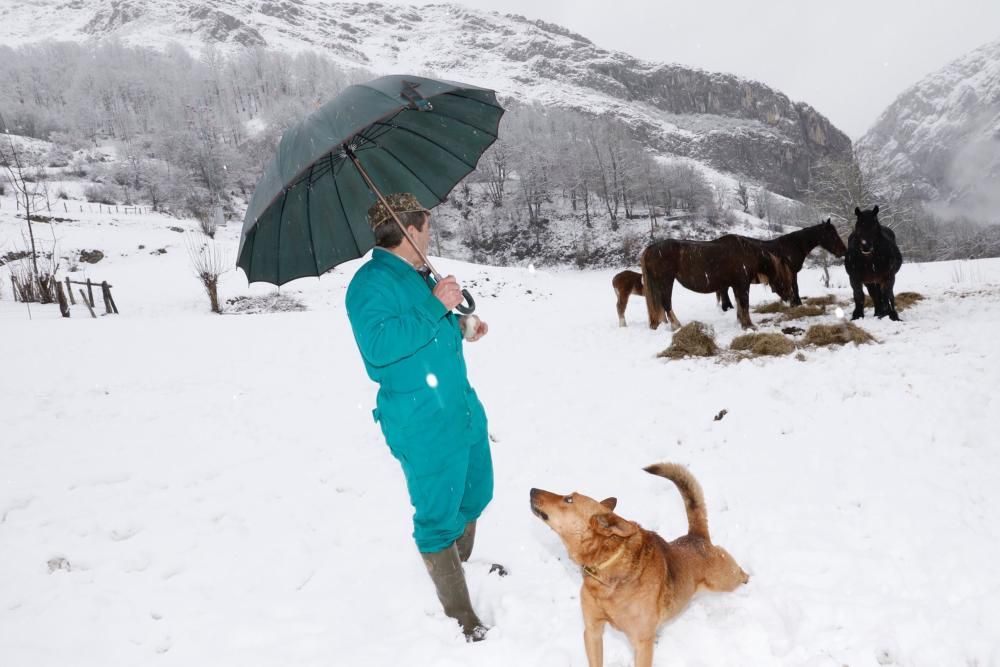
(857, 211)
(611, 524)
(610, 503)
(875, 210)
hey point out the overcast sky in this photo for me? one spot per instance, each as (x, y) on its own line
(849, 59)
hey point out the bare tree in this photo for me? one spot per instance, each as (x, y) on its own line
(494, 170)
(762, 203)
(27, 193)
(743, 196)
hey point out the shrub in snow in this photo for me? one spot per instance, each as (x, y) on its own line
(91, 256)
(269, 303)
(98, 193)
(209, 262)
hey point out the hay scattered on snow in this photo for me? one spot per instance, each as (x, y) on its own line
(770, 307)
(903, 300)
(798, 312)
(764, 344)
(836, 334)
(906, 299)
(828, 300)
(694, 339)
(808, 309)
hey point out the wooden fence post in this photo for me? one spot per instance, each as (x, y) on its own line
(87, 304)
(114, 306)
(106, 293)
(90, 291)
(63, 306)
(72, 299)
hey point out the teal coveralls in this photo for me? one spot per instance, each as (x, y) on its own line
(430, 416)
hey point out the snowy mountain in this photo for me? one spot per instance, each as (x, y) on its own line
(943, 136)
(732, 124)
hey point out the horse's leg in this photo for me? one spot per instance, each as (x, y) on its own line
(620, 306)
(675, 324)
(796, 301)
(722, 296)
(859, 298)
(742, 294)
(889, 294)
(875, 291)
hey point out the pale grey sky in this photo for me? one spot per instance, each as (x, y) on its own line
(848, 58)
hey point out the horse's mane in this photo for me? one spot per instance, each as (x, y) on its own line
(781, 275)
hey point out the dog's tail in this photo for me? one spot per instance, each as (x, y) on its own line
(694, 499)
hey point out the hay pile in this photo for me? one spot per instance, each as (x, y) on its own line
(836, 334)
(694, 339)
(764, 344)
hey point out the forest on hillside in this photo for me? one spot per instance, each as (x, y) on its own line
(192, 131)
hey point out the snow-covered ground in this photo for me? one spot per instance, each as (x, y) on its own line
(182, 488)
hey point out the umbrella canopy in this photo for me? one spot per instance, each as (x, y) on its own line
(308, 212)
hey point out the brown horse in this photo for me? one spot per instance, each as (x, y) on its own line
(794, 248)
(626, 284)
(710, 266)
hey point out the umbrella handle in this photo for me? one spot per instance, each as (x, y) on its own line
(471, 308)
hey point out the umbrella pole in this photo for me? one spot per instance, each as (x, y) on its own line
(378, 193)
(466, 310)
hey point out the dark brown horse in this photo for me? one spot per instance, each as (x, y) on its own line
(873, 258)
(626, 284)
(710, 266)
(794, 248)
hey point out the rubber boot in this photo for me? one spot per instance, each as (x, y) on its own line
(446, 572)
(466, 541)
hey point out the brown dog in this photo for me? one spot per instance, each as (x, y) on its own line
(632, 578)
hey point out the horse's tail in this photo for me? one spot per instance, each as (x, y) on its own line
(694, 499)
(653, 291)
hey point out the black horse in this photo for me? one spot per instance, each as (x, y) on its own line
(872, 260)
(794, 248)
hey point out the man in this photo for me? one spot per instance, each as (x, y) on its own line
(430, 416)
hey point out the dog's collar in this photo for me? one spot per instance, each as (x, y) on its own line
(592, 570)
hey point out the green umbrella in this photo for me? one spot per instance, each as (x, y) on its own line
(308, 212)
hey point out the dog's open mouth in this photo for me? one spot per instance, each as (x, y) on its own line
(539, 513)
(868, 252)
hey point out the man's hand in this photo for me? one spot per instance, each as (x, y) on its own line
(448, 292)
(473, 328)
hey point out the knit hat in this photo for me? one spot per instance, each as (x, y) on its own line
(400, 202)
